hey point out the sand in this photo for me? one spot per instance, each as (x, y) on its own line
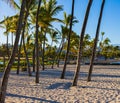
(104, 87)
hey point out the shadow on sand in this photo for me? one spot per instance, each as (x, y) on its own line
(33, 98)
(106, 75)
(101, 88)
(60, 86)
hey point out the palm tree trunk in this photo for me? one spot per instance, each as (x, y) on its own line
(68, 46)
(3, 87)
(26, 55)
(53, 58)
(43, 52)
(28, 63)
(33, 59)
(51, 46)
(81, 44)
(95, 42)
(36, 43)
(19, 53)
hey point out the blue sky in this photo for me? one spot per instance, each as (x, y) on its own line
(110, 21)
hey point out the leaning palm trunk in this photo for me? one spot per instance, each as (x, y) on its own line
(8, 68)
(68, 46)
(81, 44)
(19, 53)
(36, 43)
(26, 55)
(95, 42)
(28, 63)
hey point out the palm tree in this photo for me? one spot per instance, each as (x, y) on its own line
(63, 34)
(81, 43)
(10, 24)
(8, 68)
(102, 35)
(7, 25)
(95, 42)
(74, 43)
(36, 42)
(68, 46)
(105, 48)
(28, 5)
(51, 9)
(54, 36)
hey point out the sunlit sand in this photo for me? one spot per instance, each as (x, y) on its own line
(104, 87)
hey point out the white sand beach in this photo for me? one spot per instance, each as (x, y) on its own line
(104, 87)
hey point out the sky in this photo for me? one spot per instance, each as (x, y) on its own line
(110, 21)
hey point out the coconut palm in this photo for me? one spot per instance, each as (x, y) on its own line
(9, 65)
(76, 75)
(28, 6)
(50, 9)
(6, 25)
(95, 41)
(64, 33)
(74, 43)
(63, 37)
(87, 45)
(106, 48)
(36, 42)
(54, 36)
(100, 43)
(69, 35)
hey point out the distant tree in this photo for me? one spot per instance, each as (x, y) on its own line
(106, 48)
(6, 24)
(100, 43)
(62, 43)
(87, 45)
